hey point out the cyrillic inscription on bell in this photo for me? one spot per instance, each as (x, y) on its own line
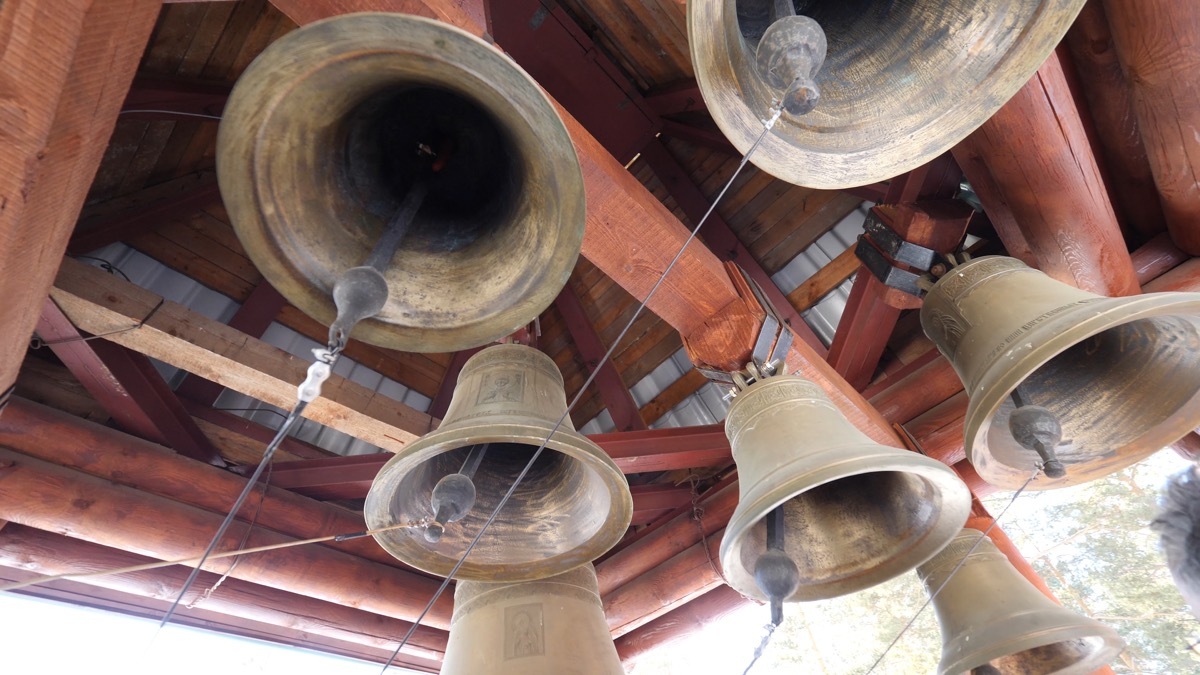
(849, 513)
(572, 506)
(1119, 377)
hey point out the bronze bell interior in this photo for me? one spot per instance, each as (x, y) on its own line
(903, 80)
(855, 513)
(1122, 375)
(335, 123)
(572, 506)
(991, 616)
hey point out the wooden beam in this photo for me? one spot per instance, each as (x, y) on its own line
(682, 578)
(617, 399)
(253, 318)
(720, 237)
(863, 331)
(632, 238)
(917, 392)
(939, 430)
(702, 136)
(54, 436)
(824, 281)
(158, 98)
(675, 393)
(47, 496)
(667, 449)
(1036, 153)
(1110, 106)
(127, 385)
(677, 98)
(101, 303)
(671, 539)
(53, 554)
(66, 66)
(1158, 43)
(143, 211)
(680, 622)
(650, 502)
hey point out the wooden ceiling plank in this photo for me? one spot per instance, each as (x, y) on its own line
(100, 303)
(829, 212)
(208, 32)
(67, 65)
(47, 496)
(829, 277)
(144, 211)
(54, 554)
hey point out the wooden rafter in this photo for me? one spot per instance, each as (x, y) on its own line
(66, 67)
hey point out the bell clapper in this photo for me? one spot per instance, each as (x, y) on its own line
(775, 573)
(789, 56)
(1037, 429)
(454, 495)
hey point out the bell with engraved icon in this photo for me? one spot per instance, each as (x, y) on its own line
(848, 512)
(1099, 382)
(554, 626)
(994, 622)
(572, 506)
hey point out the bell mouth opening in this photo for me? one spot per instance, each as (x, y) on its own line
(1132, 386)
(404, 135)
(854, 532)
(560, 505)
(1052, 658)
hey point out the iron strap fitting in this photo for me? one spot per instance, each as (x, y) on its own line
(770, 347)
(882, 251)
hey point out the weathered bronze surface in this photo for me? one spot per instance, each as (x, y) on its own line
(855, 513)
(572, 506)
(1121, 375)
(903, 80)
(990, 615)
(333, 124)
(550, 627)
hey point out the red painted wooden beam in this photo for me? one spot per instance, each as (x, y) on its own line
(719, 237)
(863, 331)
(127, 385)
(634, 452)
(252, 318)
(680, 622)
(194, 193)
(681, 97)
(653, 501)
(152, 98)
(614, 393)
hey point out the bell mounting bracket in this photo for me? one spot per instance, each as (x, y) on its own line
(772, 343)
(882, 251)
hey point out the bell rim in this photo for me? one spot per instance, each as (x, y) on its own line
(981, 409)
(566, 441)
(1072, 627)
(956, 502)
(829, 170)
(237, 165)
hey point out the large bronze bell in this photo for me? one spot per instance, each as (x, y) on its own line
(334, 124)
(550, 627)
(1121, 375)
(854, 513)
(994, 621)
(901, 83)
(572, 506)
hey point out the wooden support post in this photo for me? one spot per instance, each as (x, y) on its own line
(66, 66)
(127, 385)
(101, 303)
(47, 496)
(680, 622)
(1110, 105)
(53, 554)
(1035, 152)
(621, 406)
(1158, 43)
(675, 582)
(863, 331)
